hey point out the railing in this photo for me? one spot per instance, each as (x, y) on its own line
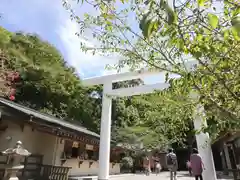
(3, 161)
(2, 171)
(54, 172)
(47, 172)
(32, 166)
(35, 170)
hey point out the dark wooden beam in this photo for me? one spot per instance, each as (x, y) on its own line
(64, 133)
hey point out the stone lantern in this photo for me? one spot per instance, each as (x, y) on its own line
(14, 157)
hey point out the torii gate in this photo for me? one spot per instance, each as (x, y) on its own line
(203, 143)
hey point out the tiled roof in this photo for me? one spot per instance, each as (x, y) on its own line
(47, 118)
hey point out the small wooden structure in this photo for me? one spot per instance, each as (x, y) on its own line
(227, 153)
(59, 148)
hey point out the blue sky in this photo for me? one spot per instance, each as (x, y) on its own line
(51, 22)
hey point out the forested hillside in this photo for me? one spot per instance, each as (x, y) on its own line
(47, 84)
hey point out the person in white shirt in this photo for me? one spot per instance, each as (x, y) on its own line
(146, 165)
(189, 168)
(157, 167)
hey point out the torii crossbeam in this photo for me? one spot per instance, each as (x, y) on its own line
(105, 132)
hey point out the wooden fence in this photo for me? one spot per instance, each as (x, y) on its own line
(54, 172)
(35, 170)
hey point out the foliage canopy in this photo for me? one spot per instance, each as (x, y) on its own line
(169, 35)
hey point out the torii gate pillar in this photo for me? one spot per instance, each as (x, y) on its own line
(203, 141)
(204, 145)
(105, 133)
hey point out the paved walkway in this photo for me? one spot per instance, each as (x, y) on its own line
(161, 176)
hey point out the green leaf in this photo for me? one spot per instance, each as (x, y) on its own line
(213, 20)
(226, 34)
(82, 1)
(143, 21)
(236, 33)
(148, 26)
(236, 23)
(162, 3)
(171, 16)
(166, 77)
(236, 11)
(201, 2)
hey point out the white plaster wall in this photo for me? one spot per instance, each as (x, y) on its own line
(14, 131)
(46, 146)
(86, 170)
(34, 141)
(58, 151)
(84, 167)
(51, 147)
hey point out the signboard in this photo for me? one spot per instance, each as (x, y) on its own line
(75, 144)
(89, 147)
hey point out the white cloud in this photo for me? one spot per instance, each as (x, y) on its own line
(86, 63)
(52, 22)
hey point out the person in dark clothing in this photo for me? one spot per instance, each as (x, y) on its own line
(172, 164)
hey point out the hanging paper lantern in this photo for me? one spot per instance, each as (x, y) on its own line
(12, 98)
(12, 92)
(16, 76)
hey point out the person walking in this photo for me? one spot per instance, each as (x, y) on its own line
(197, 165)
(172, 164)
(146, 165)
(189, 168)
(157, 167)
